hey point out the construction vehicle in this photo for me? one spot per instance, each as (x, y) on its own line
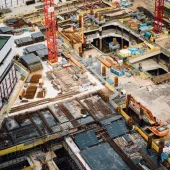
(157, 128)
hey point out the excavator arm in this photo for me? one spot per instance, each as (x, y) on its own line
(158, 128)
(148, 114)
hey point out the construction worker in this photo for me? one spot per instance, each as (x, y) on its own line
(140, 66)
(17, 56)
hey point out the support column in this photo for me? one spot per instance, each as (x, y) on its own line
(149, 143)
(14, 73)
(158, 58)
(122, 43)
(161, 146)
(80, 51)
(169, 65)
(100, 31)
(6, 86)
(157, 73)
(97, 43)
(116, 29)
(129, 37)
(100, 44)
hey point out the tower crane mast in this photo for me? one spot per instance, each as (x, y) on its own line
(158, 16)
(50, 24)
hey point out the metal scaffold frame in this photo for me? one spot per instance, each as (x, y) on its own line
(50, 23)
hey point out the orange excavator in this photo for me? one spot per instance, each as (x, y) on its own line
(157, 128)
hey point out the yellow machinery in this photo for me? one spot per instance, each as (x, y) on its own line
(158, 128)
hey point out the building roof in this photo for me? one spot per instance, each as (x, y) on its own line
(3, 41)
(111, 119)
(85, 120)
(103, 157)
(37, 35)
(5, 29)
(6, 53)
(26, 39)
(34, 48)
(42, 53)
(30, 59)
(86, 139)
(116, 128)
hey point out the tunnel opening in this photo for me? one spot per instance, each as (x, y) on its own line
(120, 43)
(64, 161)
(157, 72)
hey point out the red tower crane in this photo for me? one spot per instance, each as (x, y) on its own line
(158, 17)
(50, 23)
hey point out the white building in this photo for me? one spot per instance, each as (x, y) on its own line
(8, 77)
(11, 3)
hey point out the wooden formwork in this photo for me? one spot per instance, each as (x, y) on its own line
(30, 92)
(161, 78)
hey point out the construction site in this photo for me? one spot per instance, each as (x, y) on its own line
(84, 85)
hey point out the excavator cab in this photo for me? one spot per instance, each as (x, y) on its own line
(160, 131)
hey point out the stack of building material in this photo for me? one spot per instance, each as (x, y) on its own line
(133, 24)
(18, 43)
(39, 50)
(32, 62)
(161, 78)
(11, 21)
(42, 93)
(43, 53)
(30, 92)
(24, 41)
(37, 37)
(86, 139)
(6, 10)
(17, 23)
(35, 78)
(6, 30)
(27, 41)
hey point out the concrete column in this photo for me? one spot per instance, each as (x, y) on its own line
(80, 51)
(157, 72)
(149, 143)
(97, 43)
(100, 44)
(100, 31)
(130, 36)
(122, 31)
(169, 65)
(130, 123)
(161, 146)
(158, 58)
(116, 30)
(121, 43)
